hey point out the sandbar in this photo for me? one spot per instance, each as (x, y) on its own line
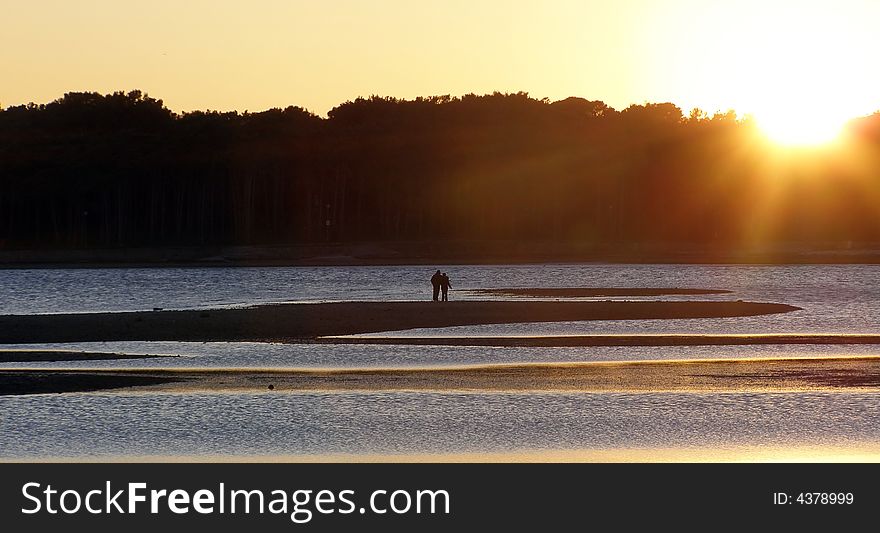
(554, 341)
(705, 375)
(308, 321)
(594, 292)
(54, 356)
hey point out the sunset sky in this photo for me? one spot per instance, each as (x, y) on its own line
(771, 58)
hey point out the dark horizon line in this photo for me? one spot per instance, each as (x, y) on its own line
(439, 99)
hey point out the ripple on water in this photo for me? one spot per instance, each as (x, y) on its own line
(96, 425)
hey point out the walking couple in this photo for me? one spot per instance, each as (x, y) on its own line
(440, 281)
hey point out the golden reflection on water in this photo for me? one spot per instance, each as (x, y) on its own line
(866, 453)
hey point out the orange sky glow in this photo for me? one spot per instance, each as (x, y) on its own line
(800, 67)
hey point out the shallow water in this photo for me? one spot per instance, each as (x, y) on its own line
(95, 425)
(835, 299)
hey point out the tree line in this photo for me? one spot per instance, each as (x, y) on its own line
(122, 170)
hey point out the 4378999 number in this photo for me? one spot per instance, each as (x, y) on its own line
(824, 498)
(814, 498)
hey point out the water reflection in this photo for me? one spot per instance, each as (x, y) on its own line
(317, 424)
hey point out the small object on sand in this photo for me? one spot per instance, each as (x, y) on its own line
(157, 309)
(271, 387)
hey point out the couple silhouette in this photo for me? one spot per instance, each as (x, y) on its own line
(440, 281)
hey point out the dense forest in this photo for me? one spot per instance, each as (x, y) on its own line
(121, 170)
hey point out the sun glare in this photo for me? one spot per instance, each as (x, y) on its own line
(799, 69)
(799, 129)
(799, 94)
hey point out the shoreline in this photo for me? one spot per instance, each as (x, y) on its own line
(819, 259)
(700, 375)
(396, 253)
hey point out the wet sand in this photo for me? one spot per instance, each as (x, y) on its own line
(716, 375)
(587, 292)
(551, 341)
(298, 322)
(54, 356)
(16, 383)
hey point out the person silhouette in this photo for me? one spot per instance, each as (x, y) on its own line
(445, 284)
(435, 283)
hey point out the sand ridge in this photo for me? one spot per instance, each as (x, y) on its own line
(709, 375)
(594, 292)
(297, 322)
(56, 356)
(553, 341)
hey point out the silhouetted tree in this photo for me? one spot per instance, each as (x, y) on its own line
(119, 170)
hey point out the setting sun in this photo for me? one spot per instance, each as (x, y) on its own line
(800, 69)
(787, 126)
(802, 82)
